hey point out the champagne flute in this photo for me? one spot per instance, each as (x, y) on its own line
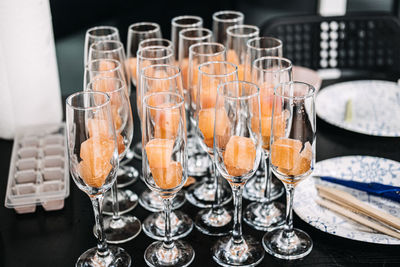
(93, 161)
(292, 160)
(180, 23)
(164, 78)
(103, 68)
(222, 20)
(258, 47)
(156, 42)
(164, 169)
(97, 34)
(237, 154)
(118, 229)
(237, 37)
(201, 194)
(215, 220)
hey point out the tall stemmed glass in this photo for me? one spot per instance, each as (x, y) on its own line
(164, 78)
(292, 160)
(93, 161)
(237, 37)
(222, 20)
(268, 72)
(127, 175)
(97, 34)
(261, 47)
(202, 194)
(237, 155)
(102, 68)
(215, 220)
(180, 23)
(118, 228)
(164, 169)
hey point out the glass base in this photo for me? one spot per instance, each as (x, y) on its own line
(126, 175)
(179, 255)
(254, 190)
(128, 157)
(247, 253)
(263, 216)
(117, 257)
(154, 225)
(202, 194)
(152, 201)
(294, 246)
(127, 201)
(216, 223)
(137, 151)
(198, 164)
(122, 230)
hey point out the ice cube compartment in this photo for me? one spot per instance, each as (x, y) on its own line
(39, 172)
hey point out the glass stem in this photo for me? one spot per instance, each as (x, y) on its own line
(217, 201)
(267, 173)
(288, 229)
(168, 243)
(237, 222)
(102, 248)
(115, 203)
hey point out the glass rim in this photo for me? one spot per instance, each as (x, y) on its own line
(117, 66)
(120, 46)
(280, 43)
(230, 29)
(193, 46)
(120, 88)
(102, 27)
(217, 62)
(156, 39)
(148, 23)
(176, 105)
(239, 97)
(170, 52)
(198, 23)
(74, 95)
(239, 15)
(182, 32)
(273, 58)
(310, 93)
(142, 70)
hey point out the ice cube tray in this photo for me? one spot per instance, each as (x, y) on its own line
(39, 172)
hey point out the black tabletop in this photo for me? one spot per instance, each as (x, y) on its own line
(58, 238)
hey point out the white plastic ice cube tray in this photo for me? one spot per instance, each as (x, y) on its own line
(39, 172)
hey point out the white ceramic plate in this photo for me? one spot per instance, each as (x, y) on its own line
(376, 106)
(357, 168)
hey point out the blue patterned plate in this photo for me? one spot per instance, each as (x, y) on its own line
(376, 106)
(357, 168)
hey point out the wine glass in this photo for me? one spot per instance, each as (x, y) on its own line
(164, 169)
(118, 229)
(156, 42)
(237, 154)
(202, 193)
(97, 34)
(93, 161)
(237, 37)
(138, 32)
(222, 20)
(163, 78)
(103, 68)
(214, 220)
(292, 160)
(256, 48)
(180, 23)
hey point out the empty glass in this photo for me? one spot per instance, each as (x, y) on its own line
(222, 20)
(156, 42)
(237, 154)
(256, 48)
(292, 160)
(164, 169)
(180, 23)
(215, 220)
(97, 34)
(93, 161)
(201, 194)
(268, 72)
(236, 44)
